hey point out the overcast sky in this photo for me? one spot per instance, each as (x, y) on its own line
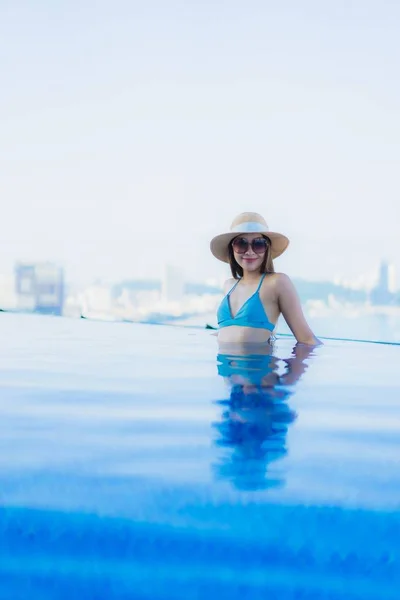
(131, 132)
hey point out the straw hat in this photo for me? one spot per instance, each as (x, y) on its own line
(247, 222)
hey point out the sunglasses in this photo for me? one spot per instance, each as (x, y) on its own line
(258, 245)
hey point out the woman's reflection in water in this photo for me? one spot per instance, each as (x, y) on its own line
(257, 415)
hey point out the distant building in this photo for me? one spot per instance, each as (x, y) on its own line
(97, 301)
(381, 294)
(8, 297)
(383, 281)
(392, 279)
(40, 287)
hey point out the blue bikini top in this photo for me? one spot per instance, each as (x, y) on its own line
(251, 314)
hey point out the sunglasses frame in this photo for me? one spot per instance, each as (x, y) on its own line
(250, 244)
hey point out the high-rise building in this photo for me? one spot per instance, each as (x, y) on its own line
(8, 297)
(381, 293)
(383, 282)
(392, 284)
(40, 287)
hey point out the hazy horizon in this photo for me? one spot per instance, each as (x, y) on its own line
(132, 133)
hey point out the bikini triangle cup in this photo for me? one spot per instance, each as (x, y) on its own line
(251, 314)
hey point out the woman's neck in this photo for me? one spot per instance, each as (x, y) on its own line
(250, 278)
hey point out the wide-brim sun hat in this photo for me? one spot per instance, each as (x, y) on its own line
(247, 222)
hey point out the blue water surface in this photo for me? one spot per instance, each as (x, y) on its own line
(136, 461)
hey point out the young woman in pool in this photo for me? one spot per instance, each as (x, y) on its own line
(256, 296)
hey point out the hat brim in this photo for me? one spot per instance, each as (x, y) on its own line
(219, 244)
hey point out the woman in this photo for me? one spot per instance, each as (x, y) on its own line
(256, 295)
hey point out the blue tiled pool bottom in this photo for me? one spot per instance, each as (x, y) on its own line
(130, 468)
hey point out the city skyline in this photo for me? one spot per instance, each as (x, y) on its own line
(40, 289)
(173, 280)
(359, 274)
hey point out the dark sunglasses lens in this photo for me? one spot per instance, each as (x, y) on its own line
(259, 245)
(240, 245)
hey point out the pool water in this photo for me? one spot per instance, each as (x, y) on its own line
(139, 462)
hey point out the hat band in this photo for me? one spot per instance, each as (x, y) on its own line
(249, 227)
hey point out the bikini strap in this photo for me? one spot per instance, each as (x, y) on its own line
(233, 287)
(261, 280)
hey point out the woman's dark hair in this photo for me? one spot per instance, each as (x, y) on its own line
(267, 266)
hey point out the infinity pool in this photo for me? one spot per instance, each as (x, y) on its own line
(138, 462)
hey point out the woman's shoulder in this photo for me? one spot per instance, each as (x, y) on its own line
(228, 284)
(279, 278)
(279, 282)
(284, 285)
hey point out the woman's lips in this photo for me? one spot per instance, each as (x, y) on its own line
(250, 259)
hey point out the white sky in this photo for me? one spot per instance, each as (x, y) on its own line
(131, 132)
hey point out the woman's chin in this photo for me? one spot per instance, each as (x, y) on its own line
(250, 266)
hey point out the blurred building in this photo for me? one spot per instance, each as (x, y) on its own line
(8, 297)
(97, 302)
(392, 283)
(382, 293)
(39, 288)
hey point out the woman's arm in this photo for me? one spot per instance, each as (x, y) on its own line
(296, 367)
(290, 307)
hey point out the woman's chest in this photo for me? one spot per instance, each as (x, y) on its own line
(248, 301)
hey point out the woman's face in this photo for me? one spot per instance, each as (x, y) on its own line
(249, 251)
